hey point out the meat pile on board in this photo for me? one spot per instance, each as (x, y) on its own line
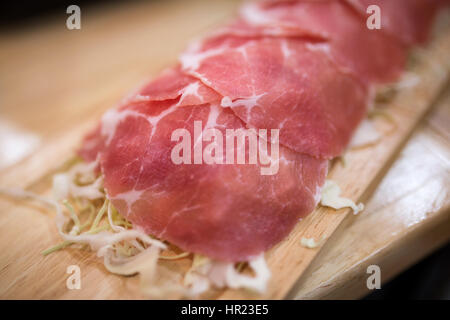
(303, 67)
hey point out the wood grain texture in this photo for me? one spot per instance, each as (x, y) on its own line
(406, 218)
(81, 75)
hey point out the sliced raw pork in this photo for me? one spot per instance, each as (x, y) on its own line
(226, 211)
(172, 86)
(372, 55)
(280, 83)
(303, 67)
(408, 20)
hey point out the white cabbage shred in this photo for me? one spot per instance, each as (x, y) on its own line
(366, 134)
(223, 274)
(331, 198)
(85, 216)
(311, 243)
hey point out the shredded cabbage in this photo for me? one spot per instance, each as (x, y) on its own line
(85, 216)
(387, 92)
(310, 243)
(365, 135)
(206, 272)
(331, 198)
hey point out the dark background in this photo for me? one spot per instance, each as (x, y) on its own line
(21, 14)
(429, 279)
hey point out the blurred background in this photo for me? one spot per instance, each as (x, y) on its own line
(53, 79)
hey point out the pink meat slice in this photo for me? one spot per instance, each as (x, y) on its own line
(228, 212)
(408, 20)
(372, 55)
(283, 84)
(290, 65)
(172, 86)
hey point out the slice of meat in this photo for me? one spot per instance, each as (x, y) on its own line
(225, 211)
(283, 84)
(372, 55)
(173, 84)
(408, 20)
(282, 68)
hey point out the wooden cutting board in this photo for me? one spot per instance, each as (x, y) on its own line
(406, 218)
(56, 83)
